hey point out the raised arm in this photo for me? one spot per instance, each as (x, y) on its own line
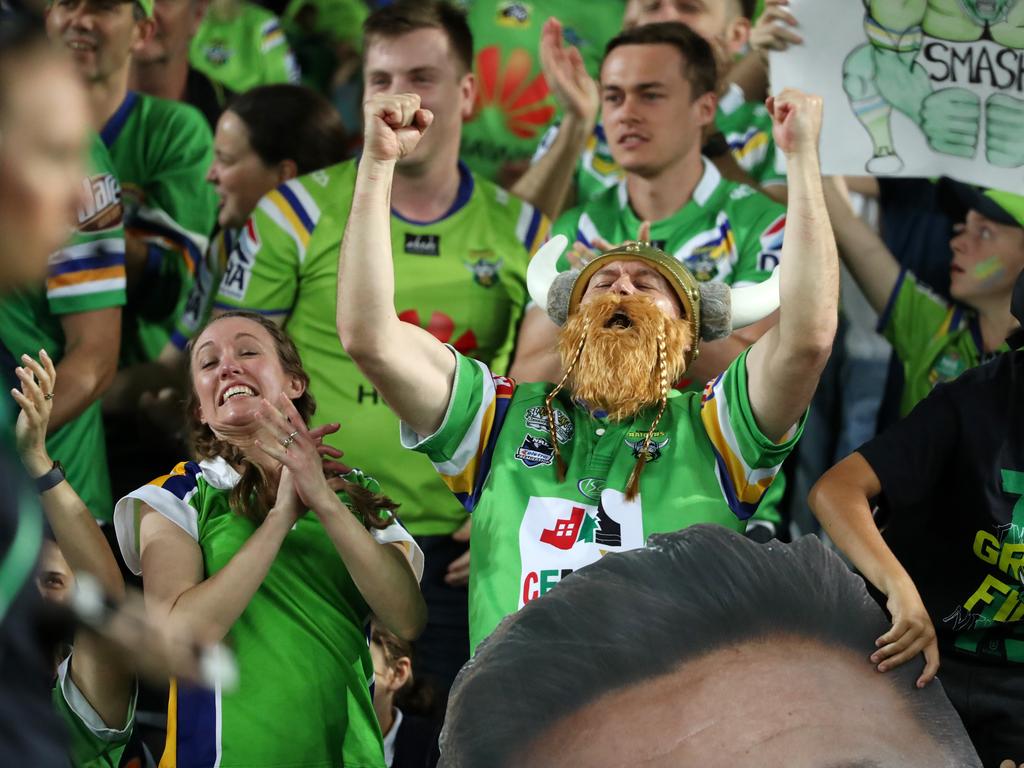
(412, 370)
(783, 366)
(872, 264)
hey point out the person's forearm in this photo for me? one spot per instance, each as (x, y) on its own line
(809, 278)
(208, 610)
(379, 571)
(81, 380)
(547, 184)
(751, 74)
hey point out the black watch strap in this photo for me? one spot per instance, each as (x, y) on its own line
(51, 479)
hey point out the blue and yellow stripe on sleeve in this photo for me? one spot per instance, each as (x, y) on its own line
(742, 485)
(292, 208)
(532, 228)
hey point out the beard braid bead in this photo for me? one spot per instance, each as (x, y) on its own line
(560, 467)
(633, 486)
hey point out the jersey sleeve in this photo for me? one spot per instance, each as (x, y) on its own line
(174, 495)
(92, 742)
(760, 243)
(746, 460)
(262, 273)
(199, 303)
(462, 448)
(533, 228)
(89, 272)
(279, 64)
(395, 532)
(568, 224)
(915, 315)
(913, 455)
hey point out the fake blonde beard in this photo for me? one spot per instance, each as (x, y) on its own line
(620, 370)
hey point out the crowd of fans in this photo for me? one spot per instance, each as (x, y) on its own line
(368, 287)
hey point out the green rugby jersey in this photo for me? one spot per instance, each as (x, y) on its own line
(93, 744)
(245, 51)
(305, 671)
(86, 275)
(161, 151)
(934, 339)
(462, 278)
(708, 463)
(747, 128)
(513, 102)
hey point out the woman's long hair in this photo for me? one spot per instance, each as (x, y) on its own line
(252, 497)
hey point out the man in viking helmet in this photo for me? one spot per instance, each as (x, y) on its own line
(558, 476)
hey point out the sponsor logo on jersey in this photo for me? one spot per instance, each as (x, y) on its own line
(558, 536)
(485, 273)
(101, 208)
(535, 452)
(513, 14)
(771, 244)
(442, 328)
(422, 245)
(635, 440)
(217, 52)
(591, 487)
(505, 84)
(536, 418)
(236, 276)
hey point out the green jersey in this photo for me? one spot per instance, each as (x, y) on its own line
(245, 51)
(93, 744)
(199, 304)
(87, 275)
(462, 278)
(161, 151)
(304, 664)
(513, 102)
(708, 462)
(935, 340)
(747, 128)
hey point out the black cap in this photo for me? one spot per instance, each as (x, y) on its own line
(956, 198)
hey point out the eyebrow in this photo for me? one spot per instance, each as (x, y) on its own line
(238, 335)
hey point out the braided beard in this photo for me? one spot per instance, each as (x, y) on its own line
(620, 369)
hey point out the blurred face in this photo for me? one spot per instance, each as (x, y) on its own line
(422, 62)
(651, 119)
(54, 577)
(238, 174)
(714, 20)
(100, 35)
(43, 135)
(175, 24)
(987, 257)
(234, 365)
(801, 705)
(628, 278)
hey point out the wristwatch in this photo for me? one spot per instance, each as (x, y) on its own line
(51, 479)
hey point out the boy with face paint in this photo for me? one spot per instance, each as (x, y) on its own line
(557, 476)
(935, 340)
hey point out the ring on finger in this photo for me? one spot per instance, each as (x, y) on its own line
(290, 439)
(48, 396)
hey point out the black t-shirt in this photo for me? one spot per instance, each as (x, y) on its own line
(207, 96)
(952, 476)
(30, 733)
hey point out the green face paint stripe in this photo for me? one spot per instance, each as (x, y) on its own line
(20, 559)
(988, 268)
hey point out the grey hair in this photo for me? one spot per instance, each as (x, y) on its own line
(715, 311)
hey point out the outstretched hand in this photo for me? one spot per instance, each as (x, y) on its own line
(393, 125)
(796, 121)
(911, 634)
(37, 378)
(580, 255)
(572, 86)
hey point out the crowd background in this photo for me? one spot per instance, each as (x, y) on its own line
(223, 142)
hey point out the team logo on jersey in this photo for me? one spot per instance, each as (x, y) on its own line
(710, 255)
(535, 452)
(947, 368)
(771, 244)
(217, 52)
(422, 245)
(536, 418)
(513, 14)
(101, 208)
(485, 273)
(591, 487)
(635, 440)
(580, 527)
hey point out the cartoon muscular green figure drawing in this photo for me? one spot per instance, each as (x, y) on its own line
(884, 74)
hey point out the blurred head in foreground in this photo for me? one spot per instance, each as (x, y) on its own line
(704, 649)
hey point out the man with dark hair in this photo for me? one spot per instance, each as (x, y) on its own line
(702, 649)
(950, 476)
(460, 251)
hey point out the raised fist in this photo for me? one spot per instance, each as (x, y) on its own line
(950, 119)
(796, 121)
(393, 125)
(1004, 115)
